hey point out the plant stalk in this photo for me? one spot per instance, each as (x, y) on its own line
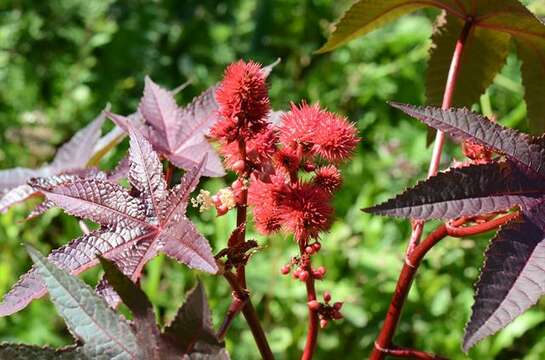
(416, 250)
(313, 321)
(238, 281)
(439, 142)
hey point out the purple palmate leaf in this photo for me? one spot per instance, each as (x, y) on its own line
(513, 276)
(71, 158)
(77, 256)
(133, 229)
(184, 129)
(177, 133)
(463, 124)
(470, 190)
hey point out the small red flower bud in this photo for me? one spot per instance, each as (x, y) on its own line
(316, 246)
(285, 270)
(327, 296)
(239, 166)
(296, 273)
(319, 273)
(338, 305)
(216, 200)
(309, 250)
(323, 323)
(222, 210)
(337, 315)
(303, 276)
(314, 305)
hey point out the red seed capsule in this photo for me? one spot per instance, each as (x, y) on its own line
(327, 296)
(323, 323)
(316, 246)
(303, 276)
(314, 305)
(338, 305)
(285, 270)
(296, 273)
(309, 250)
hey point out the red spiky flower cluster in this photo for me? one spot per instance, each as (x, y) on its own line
(273, 156)
(244, 107)
(270, 160)
(281, 200)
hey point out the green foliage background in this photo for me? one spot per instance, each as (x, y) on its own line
(61, 61)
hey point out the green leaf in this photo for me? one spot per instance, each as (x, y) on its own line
(104, 334)
(32, 352)
(367, 15)
(484, 55)
(509, 16)
(532, 54)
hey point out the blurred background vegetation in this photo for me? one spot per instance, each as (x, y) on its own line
(61, 61)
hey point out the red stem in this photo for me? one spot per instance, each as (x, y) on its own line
(313, 321)
(238, 281)
(455, 231)
(439, 142)
(412, 354)
(242, 209)
(240, 298)
(416, 250)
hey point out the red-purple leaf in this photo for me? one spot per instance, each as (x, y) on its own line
(120, 171)
(160, 111)
(179, 133)
(71, 158)
(79, 149)
(11, 178)
(132, 230)
(463, 124)
(146, 176)
(75, 257)
(192, 323)
(14, 196)
(105, 203)
(130, 261)
(147, 331)
(470, 190)
(183, 242)
(513, 277)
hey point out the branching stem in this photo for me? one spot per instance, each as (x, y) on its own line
(241, 296)
(455, 231)
(417, 250)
